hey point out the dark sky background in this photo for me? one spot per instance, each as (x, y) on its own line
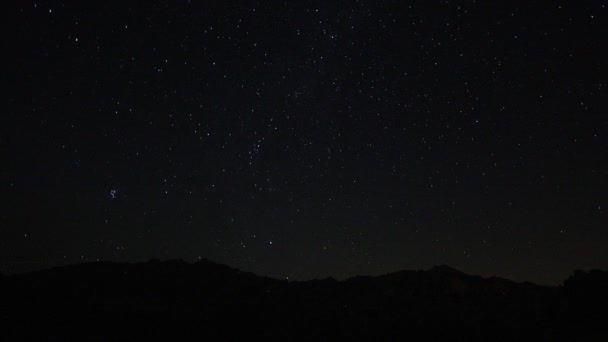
(307, 139)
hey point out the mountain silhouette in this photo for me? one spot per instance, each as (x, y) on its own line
(175, 299)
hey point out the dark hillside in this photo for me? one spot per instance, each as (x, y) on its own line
(175, 298)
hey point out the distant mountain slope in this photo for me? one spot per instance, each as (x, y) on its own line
(177, 299)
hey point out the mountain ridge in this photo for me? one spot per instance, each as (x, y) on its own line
(438, 269)
(439, 302)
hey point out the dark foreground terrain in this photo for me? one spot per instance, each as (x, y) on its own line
(175, 300)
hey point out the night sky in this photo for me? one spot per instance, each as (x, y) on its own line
(307, 139)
